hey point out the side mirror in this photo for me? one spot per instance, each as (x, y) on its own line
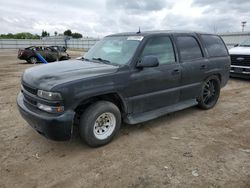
(148, 61)
(236, 45)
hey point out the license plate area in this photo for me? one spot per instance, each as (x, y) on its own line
(238, 70)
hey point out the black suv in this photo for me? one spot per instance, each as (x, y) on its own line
(130, 77)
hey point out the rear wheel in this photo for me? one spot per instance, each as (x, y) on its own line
(210, 93)
(100, 123)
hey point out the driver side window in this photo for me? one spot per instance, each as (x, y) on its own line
(162, 48)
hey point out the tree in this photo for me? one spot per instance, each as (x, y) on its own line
(68, 32)
(10, 36)
(45, 33)
(23, 35)
(36, 36)
(76, 35)
(55, 33)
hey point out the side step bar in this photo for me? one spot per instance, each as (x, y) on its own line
(146, 116)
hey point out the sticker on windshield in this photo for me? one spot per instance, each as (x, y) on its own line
(135, 38)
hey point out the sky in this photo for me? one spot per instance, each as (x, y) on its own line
(97, 18)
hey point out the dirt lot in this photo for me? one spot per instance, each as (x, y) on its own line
(190, 148)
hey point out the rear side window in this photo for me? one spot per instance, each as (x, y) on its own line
(38, 48)
(162, 48)
(189, 48)
(214, 45)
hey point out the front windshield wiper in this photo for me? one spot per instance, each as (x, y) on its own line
(84, 59)
(101, 60)
(245, 45)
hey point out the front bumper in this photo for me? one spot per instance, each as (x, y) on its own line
(21, 57)
(240, 71)
(55, 127)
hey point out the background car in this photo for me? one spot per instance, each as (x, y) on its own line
(51, 54)
(240, 60)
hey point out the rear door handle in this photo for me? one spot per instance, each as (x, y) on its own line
(203, 67)
(176, 71)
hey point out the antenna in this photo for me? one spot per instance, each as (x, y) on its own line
(138, 32)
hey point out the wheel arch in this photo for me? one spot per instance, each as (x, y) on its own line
(214, 74)
(111, 97)
(219, 76)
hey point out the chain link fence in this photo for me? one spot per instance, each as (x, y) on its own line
(83, 44)
(232, 39)
(86, 43)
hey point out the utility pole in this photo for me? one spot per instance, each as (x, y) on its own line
(243, 24)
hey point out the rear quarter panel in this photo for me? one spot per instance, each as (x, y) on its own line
(221, 67)
(218, 65)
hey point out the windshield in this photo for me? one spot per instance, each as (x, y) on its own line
(116, 50)
(246, 43)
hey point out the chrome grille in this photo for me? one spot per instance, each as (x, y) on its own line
(29, 100)
(30, 89)
(240, 60)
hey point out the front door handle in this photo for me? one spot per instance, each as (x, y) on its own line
(176, 71)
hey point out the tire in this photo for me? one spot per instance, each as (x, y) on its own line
(210, 93)
(62, 59)
(100, 123)
(33, 60)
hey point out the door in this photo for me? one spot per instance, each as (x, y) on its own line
(41, 51)
(194, 65)
(155, 87)
(51, 54)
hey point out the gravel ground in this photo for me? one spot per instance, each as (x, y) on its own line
(190, 148)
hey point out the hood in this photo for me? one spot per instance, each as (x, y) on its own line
(49, 75)
(240, 50)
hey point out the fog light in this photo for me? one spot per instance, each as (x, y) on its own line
(52, 109)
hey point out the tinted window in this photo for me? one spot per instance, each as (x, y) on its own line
(39, 48)
(162, 48)
(214, 45)
(189, 48)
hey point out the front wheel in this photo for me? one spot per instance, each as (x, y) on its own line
(33, 60)
(100, 123)
(210, 93)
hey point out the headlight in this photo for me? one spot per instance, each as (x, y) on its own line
(49, 95)
(51, 109)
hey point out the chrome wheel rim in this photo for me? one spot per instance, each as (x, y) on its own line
(33, 60)
(104, 125)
